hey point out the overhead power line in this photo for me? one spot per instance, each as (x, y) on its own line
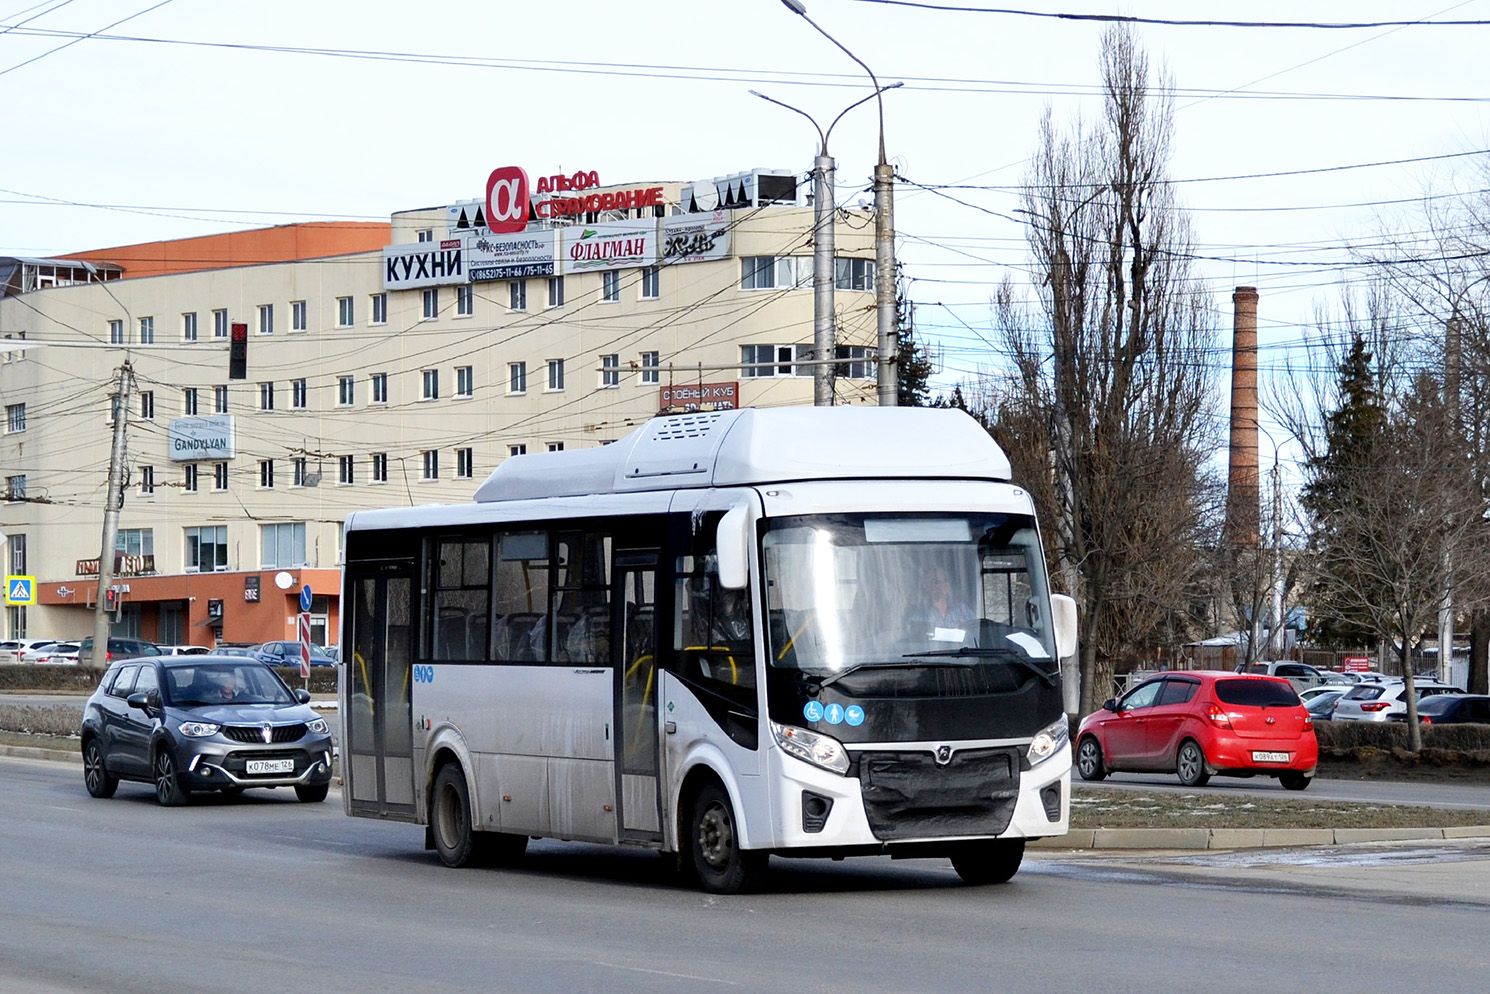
(1176, 22)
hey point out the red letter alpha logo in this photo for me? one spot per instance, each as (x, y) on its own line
(507, 200)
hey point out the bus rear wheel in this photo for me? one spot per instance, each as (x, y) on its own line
(450, 817)
(721, 866)
(992, 862)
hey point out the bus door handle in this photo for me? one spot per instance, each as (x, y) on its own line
(670, 727)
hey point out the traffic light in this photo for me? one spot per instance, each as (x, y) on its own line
(111, 599)
(238, 353)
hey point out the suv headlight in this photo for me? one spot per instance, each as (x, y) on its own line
(199, 729)
(317, 725)
(1049, 740)
(811, 747)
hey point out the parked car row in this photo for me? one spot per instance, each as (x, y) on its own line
(56, 651)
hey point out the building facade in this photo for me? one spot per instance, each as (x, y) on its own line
(382, 365)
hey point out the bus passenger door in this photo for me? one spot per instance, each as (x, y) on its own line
(378, 755)
(634, 655)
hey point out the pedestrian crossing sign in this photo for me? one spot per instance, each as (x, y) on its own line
(20, 590)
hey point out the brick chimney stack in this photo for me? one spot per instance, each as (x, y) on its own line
(1243, 494)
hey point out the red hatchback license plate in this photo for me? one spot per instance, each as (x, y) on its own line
(1270, 757)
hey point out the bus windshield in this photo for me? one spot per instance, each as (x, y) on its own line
(850, 591)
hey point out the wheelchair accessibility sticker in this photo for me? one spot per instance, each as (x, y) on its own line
(812, 711)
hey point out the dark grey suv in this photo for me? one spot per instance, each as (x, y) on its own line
(195, 723)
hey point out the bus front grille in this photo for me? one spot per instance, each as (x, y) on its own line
(908, 795)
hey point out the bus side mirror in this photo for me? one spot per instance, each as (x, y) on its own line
(733, 544)
(1063, 609)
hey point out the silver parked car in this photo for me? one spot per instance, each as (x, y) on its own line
(1379, 701)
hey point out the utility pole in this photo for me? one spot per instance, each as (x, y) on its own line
(113, 502)
(823, 331)
(1453, 333)
(884, 276)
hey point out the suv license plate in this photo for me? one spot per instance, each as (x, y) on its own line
(1257, 757)
(288, 765)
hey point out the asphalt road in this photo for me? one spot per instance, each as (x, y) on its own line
(264, 893)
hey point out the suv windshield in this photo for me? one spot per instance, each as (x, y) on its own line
(224, 683)
(845, 591)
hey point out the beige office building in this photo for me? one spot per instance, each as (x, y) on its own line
(385, 365)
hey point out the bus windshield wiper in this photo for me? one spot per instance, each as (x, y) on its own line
(989, 653)
(886, 665)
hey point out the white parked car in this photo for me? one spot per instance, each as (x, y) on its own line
(1301, 675)
(1325, 688)
(1376, 701)
(184, 650)
(52, 654)
(12, 649)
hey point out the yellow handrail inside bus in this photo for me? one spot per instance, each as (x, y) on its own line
(734, 671)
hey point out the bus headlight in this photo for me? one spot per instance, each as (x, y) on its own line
(1049, 740)
(811, 747)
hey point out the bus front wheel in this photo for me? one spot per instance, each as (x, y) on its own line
(992, 862)
(450, 817)
(721, 866)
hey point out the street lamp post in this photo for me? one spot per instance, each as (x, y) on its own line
(823, 250)
(884, 232)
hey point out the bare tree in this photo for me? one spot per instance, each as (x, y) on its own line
(1105, 415)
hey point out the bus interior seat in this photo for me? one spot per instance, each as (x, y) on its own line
(514, 638)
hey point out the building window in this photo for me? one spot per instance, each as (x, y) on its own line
(147, 405)
(426, 235)
(431, 384)
(299, 394)
(556, 446)
(345, 389)
(282, 545)
(298, 471)
(189, 401)
(778, 357)
(379, 310)
(346, 469)
(18, 555)
(297, 315)
(266, 396)
(610, 371)
(431, 303)
(207, 549)
(379, 388)
(517, 295)
(610, 286)
(135, 542)
(189, 326)
(266, 474)
(853, 274)
(464, 459)
(649, 375)
(556, 291)
(116, 332)
(15, 418)
(465, 381)
(431, 469)
(465, 301)
(220, 400)
(190, 484)
(517, 377)
(344, 315)
(15, 487)
(555, 374)
(220, 324)
(380, 467)
(147, 331)
(517, 450)
(219, 476)
(861, 366)
(768, 272)
(651, 283)
(147, 480)
(266, 319)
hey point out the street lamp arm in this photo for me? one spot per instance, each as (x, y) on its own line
(822, 138)
(796, 7)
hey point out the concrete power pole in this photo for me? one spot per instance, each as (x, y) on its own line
(823, 246)
(113, 502)
(884, 277)
(1453, 332)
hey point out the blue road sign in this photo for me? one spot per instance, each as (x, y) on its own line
(305, 598)
(20, 590)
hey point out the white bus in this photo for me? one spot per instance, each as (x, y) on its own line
(728, 635)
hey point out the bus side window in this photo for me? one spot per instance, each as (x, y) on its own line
(462, 592)
(714, 642)
(521, 596)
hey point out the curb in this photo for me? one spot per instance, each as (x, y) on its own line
(36, 752)
(1247, 838)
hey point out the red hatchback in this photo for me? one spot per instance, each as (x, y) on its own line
(1199, 724)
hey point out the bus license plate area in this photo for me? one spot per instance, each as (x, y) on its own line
(1269, 757)
(257, 766)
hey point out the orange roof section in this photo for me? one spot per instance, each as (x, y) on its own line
(284, 243)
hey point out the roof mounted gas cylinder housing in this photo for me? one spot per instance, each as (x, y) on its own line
(749, 447)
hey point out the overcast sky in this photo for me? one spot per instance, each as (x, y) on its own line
(198, 116)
